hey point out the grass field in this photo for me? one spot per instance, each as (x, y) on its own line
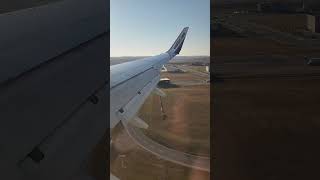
(137, 164)
(187, 123)
(256, 46)
(198, 68)
(265, 129)
(185, 128)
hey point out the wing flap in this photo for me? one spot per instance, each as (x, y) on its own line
(127, 112)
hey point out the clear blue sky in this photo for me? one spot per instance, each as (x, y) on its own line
(149, 27)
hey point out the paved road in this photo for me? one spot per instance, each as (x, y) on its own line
(196, 162)
(262, 67)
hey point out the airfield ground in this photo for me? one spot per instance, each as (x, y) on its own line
(185, 128)
(240, 46)
(266, 128)
(266, 110)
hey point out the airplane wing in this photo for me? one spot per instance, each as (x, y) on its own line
(132, 82)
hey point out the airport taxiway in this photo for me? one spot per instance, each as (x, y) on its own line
(258, 67)
(185, 159)
(199, 73)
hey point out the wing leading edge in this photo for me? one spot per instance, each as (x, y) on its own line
(132, 82)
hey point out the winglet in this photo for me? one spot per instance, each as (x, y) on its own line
(176, 47)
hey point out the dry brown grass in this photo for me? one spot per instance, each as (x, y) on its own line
(256, 46)
(266, 128)
(186, 128)
(141, 165)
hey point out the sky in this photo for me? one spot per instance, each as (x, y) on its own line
(150, 27)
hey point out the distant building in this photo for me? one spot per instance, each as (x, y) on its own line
(311, 23)
(164, 81)
(208, 69)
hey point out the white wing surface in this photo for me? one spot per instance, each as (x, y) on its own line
(132, 82)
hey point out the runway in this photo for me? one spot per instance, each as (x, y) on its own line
(197, 162)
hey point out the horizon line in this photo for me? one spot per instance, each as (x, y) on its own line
(175, 56)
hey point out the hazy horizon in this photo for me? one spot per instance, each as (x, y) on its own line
(175, 56)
